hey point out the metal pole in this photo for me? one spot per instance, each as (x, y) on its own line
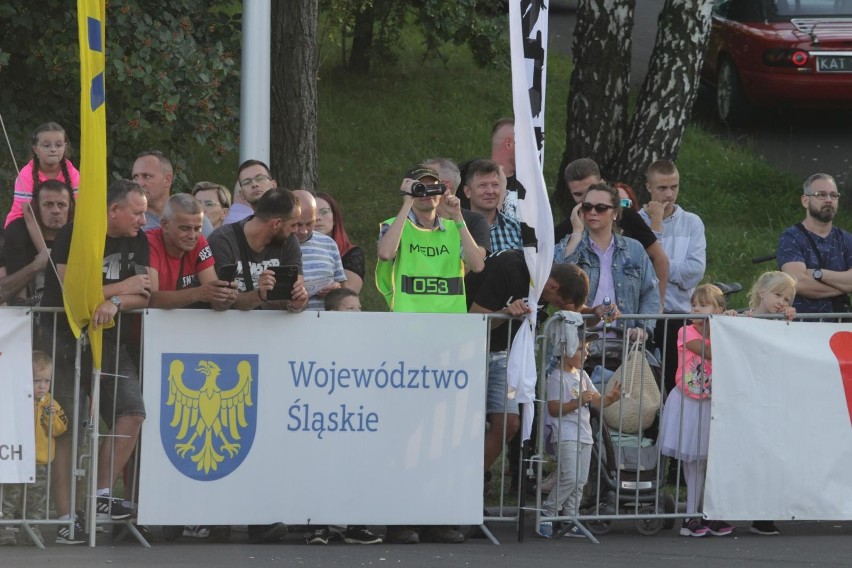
(255, 80)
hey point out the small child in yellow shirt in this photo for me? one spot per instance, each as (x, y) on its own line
(50, 422)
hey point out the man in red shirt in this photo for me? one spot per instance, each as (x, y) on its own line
(182, 264)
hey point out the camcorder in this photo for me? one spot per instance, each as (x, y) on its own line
(420, 189)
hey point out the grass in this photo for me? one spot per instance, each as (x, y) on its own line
(372, 128)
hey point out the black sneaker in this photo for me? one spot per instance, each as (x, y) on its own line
(402, 535)
(359, 534)
(318, 536)
(220, 533)
(112, 508)
(266, 534)
(63, 534)
(766, 528)
(443, 534)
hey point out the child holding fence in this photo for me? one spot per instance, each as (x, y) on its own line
(570, 392)
(773, 293)
(685, 425)
(50, 422)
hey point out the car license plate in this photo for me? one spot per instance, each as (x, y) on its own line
(834, 64)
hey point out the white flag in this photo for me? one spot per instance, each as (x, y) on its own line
(528, 39)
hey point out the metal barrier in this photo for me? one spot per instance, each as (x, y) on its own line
(628, 477)
(58, 482)
(508, 476)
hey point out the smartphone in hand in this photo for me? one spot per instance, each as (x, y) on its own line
(285, 278)
(228, 272)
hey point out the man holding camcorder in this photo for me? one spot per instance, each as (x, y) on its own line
(422, 257)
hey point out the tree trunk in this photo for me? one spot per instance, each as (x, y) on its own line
(668, 93)
(600, 87)
(294, 94)
(362, 41)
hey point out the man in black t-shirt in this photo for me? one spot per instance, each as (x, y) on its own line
(51, 203)
(126, 286)
(579, 175)
(502, 287)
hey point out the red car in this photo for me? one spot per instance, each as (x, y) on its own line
(777, 53)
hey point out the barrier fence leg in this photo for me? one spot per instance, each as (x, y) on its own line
(91, 518)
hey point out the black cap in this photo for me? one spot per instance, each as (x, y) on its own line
(420, 171)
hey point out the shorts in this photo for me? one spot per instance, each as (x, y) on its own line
(496, 401)
(120, 390)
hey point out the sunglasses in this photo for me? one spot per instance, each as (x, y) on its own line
(598, 207)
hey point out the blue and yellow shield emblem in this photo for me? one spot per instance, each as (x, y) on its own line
(208, 411)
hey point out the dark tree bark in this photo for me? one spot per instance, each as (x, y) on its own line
(597, 124)
(294, 94)
(362, 41)
(600, 87)
(668, 93)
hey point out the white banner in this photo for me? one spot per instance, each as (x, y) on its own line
(17, 426)
(315, 418)
(781, 435)
(528, 40)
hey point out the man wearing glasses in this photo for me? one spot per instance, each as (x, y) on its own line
(816, 253)
(253, 179)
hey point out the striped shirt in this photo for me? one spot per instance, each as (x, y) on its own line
(321, 266)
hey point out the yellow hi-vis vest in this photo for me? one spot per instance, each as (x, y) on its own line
(427, 274)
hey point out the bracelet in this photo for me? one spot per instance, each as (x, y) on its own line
(460, 225)
(262, 301)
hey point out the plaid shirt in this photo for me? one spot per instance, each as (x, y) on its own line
(505, 234)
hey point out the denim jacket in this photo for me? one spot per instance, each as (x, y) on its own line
(633, 276)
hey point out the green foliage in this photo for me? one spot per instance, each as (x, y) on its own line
(171, 79)
(477, 24)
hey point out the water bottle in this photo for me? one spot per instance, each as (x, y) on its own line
(607, 310)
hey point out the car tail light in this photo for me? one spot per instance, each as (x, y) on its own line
(780, 57)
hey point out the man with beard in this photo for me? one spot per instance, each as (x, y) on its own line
(182, 267)
(817, 254)
(266, 239)
(253, 180)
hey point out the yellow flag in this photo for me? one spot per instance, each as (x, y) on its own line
(84, 273)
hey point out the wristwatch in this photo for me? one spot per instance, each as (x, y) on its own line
(818, 275)
(117, 301)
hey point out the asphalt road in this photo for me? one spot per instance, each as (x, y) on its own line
(823, 545)
(798, 142)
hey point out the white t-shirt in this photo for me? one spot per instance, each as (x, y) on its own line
(565, 387)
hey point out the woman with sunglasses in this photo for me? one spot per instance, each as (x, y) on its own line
(618, 267)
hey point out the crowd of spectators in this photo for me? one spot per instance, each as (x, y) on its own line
(274, 248)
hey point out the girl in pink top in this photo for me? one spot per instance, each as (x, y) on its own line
(685, 425)
(50, 161)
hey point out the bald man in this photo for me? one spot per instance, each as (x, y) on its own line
(320, 256)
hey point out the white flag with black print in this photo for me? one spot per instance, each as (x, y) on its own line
(528, 39)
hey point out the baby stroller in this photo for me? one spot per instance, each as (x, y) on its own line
(623, 477)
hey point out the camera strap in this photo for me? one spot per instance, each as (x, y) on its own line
(838, 301)
(813, 244)
(816, 250)
(242, 244)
